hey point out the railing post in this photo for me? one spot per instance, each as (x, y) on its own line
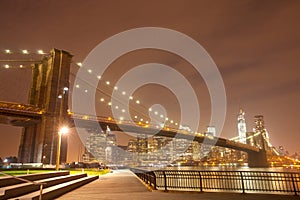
(201, 189)
(147, 178)
(242, 180)
(154, 181)
(165, 181)
(41, 191)
(294, 186)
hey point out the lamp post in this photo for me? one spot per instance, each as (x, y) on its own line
(62, 131)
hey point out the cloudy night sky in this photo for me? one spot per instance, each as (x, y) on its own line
(254, 43)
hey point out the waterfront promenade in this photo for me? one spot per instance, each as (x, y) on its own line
(123, 184)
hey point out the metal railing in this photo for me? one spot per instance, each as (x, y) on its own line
(149, 178)
(26, 108)
(218, 181)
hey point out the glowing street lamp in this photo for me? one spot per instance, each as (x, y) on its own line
(25, 51)
(63, 130)
(41, 52)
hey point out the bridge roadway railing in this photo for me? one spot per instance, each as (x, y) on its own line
(26, 108)
(134, 123)
(220, 181)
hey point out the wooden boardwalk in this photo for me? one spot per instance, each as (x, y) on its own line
(123, 184)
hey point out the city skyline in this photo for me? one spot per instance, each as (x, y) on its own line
(255, 46)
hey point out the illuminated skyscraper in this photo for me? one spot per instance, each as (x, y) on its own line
(100, 146)
(211, 130)
(242, 126)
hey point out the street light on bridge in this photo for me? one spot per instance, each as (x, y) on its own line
(63, 130)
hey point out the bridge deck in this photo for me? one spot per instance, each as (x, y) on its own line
(122, 184)
(90, 122)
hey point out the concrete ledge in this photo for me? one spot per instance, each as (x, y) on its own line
(25, 188)
(58, 190)
(7, 181)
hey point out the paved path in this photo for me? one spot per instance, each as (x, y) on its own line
(123, 185)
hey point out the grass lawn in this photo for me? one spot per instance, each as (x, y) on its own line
(72, 171)
(22, 172)
(90, 171)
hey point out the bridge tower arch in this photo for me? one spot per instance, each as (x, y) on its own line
(49, 91)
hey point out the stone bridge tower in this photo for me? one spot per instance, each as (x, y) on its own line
(49, 91)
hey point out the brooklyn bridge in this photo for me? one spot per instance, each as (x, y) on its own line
(47, 111)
